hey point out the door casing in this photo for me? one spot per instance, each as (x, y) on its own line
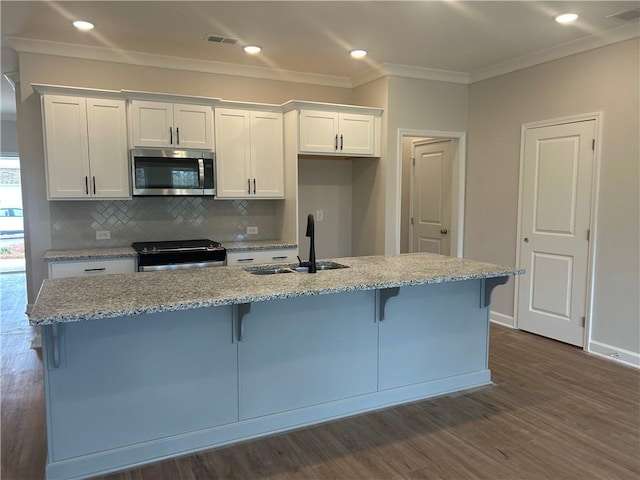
(597, 117)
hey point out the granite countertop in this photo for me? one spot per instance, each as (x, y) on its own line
(88, 254)
(258, 245)
(80, 298)
(118, 252)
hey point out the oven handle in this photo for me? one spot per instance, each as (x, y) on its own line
(201, 173)
(179, 266)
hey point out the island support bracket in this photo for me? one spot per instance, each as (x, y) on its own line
(382, 296)
(56, 346)
(239, 311)
(488, 284)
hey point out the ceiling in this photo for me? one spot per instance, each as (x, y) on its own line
(471, 37)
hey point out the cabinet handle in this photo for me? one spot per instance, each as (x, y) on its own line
(94, 185)
(341, 142)
(249, 186)
(86, 185)
(170, 136)
(281, 257)
(177, 135)
(245, 260)
(95, 269)
(336, 141)
(254, 186)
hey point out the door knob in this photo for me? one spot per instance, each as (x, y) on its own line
(526, 239)
(444, 231)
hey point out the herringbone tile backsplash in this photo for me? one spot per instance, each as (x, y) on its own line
(74, 224)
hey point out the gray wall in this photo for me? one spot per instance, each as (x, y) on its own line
(9, 137)
(605, 79)
(325, 184)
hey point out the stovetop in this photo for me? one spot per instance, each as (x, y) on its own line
(176, 246)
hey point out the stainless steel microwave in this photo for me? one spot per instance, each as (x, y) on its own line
(172, 172)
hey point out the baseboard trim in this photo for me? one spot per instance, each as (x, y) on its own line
(502, 319)
(615, 354)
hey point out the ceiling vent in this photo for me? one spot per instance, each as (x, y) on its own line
(221, 39)
(627, 16)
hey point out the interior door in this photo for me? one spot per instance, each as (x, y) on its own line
(555, 216)
(431, 198)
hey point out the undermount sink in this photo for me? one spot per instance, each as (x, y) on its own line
(292, 268)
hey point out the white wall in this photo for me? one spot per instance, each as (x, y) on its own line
(9, 137)
(607, 80)
(325, 184)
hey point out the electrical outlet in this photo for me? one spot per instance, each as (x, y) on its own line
(320, 215)
(103, 235)
(252, 230)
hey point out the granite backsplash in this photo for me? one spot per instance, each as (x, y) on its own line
(74, 224)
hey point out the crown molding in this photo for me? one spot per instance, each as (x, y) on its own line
(408, 71)
(45, 47)
(580, 45)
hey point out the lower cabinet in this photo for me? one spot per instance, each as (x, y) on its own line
(80, 268)
(136, 379)
(431, 332)
(304, 351)
(250, 257)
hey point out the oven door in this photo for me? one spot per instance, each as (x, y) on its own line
(172, 172)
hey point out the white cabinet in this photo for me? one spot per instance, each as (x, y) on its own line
(249, 154)
(306, 351)
(251, 257)
(158, 124)
(80, 268)
(85, 147)
(337, 133)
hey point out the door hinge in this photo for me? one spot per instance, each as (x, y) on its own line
(593, 144)
(588, 234)
(413, 162)
(411, 220)
(583, 321)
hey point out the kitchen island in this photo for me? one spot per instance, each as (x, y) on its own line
(141, 367)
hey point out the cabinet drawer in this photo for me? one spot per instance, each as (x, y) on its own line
(92, 267)
(249, 257)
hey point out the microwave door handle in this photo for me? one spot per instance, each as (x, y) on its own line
(201, 173)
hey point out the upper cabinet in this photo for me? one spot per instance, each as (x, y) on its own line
(174, 125)
(85, 147)
(249, 154)
(336, 133)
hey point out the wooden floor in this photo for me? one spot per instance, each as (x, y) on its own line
(553, 413)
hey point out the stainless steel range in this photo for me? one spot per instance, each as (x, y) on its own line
(175, 254)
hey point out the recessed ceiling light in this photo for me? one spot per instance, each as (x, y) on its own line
(252, 49)
(358, 53)
(82, 25)
(566, 18)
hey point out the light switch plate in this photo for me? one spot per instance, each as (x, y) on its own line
(252, 230)
(103, 235)
(320, 215)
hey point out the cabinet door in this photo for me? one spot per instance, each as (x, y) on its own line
(318, 132)
(356, 134)
(84, 268)
(431, 332)
(233, 153)
(267, 154)
(128, 380)
(66, 146)
(107, 131)
(193, 126)
(305, 351)
(152, 124)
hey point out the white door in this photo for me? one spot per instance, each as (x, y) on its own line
(193, 126)
(233, 153)
(267, 154)
(107, 130)
(555, 216)
(66, 146)
(430, 229)
(356, 134)
(152, 124)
